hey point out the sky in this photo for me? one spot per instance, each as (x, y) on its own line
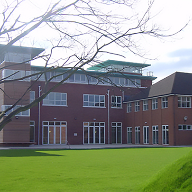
(167, 55)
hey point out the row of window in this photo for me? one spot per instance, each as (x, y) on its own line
(183, 102)
(22, 113)
(89, 100)
(9, 74)
(155, 135)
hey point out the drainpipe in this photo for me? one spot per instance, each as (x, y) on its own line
(39, 110)
(108, 107)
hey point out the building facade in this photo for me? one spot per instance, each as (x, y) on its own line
(111, 102)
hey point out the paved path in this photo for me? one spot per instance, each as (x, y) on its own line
(106, 146)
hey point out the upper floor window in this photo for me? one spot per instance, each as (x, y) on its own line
(184, 127)
(129, 107)
(137, 106)
(22, 113)
(32, 96)
(55, 99)
(184, 102)
(93, 100)
(155, 103)
(145, 105)
(164, 102)
(116, 101)
(17, 57)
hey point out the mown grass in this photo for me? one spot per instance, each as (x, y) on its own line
(83, 170)
(177, 177)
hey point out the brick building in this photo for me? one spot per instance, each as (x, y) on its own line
(90, 106)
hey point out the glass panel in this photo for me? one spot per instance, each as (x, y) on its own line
(32, 133)
(96, 134)
(51, 135)
(90, 134)
(118, 135)
(101, 134)
(63, 135)
(57, 136)
(45, 135)
(85, 134)
(113, 135)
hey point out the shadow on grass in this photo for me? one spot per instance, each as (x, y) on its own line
(26, 153)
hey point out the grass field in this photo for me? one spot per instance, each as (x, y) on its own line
(83, 170)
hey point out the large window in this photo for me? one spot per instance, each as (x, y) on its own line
(164, 102)
(116, 132)
(129, 107)
(137, 135)
(184, 102)
(54, 132)
(55, 99)
(155, 134)
(145, 105)
(154, 103)
(93, 100)
(165, 134)
(137, 106)
(116, 102)
(129, 135)
(94, 132)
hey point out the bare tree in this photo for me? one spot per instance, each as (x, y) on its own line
(83, 31)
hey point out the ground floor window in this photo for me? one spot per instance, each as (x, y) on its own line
(129, 135)
(146, 134)
(116, 132)
(137, 135)
(32, 131)
(54, 132)
(165, 134)
(155, 134)
(94, 132)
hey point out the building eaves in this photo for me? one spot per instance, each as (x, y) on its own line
(114, 62)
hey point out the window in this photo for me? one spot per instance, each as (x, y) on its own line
(55, 99)
(32, 96)
(155, 134)
(129, 107)
(137, 135)
(184, 102)
(94, 132)
(154, 103)
(146, 134)
(93, 100)
(116, 102)
(137, 106)
(116, 132)
(145, 105)
(22, 113)
(32, 131)
(165, 135)
(129, 135)
(54, 132)
(164, 102)
(185, 127)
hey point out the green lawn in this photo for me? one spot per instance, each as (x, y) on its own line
(83, 170)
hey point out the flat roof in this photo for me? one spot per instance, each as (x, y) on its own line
(114, 62)
(21, 49)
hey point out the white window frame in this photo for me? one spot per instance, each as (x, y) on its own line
(155, 135)
(129, 133)
(22, 113)
(47, 101)
(154, 103)
(97, 101)
(137, 135)
(115, 101)
(115, 126)
(165, 128)
(145, 105)
(184, 102)
(164, 102)
(145, 134)
(129, 107)
(137, 106)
